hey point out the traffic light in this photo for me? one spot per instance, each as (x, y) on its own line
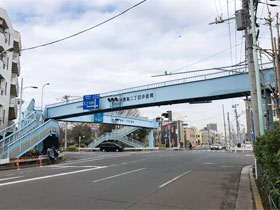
(168, 115)
(113, 99)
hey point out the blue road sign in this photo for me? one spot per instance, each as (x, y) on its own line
(98, 118)
(91, 101)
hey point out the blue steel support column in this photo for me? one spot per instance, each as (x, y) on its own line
(151, 138)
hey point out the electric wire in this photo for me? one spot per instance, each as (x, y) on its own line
(216, 8)
(221, 8)
(235, 36)
(181, 34)
(223, 68)
(86, 30)
(229, 34)
(203, 59)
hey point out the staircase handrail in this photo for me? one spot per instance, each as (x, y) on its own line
(125, 139)
(15, 124)
(135, 141)
(25, 137)
(90, 145)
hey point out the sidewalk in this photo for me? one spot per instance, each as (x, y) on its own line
(27, 162)
(248, 196)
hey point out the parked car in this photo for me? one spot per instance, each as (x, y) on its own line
(110, 146)
(216, 147)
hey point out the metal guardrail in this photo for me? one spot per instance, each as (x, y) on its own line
(273, 197)
(273, 193)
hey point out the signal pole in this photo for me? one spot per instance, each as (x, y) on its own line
(237, 123)
(225, 129)
(229, 131)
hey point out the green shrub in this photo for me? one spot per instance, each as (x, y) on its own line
(72, 148)
(267, 151)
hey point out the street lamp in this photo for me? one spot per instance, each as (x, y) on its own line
(42, 95)
(20, 100)
(8, 50)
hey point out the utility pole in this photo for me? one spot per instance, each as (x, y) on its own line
(225, 127)
(243, 23)
(237, 123)
(229, 131)
(248, 118)
(257, 69)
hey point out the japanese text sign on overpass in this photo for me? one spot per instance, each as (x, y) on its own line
(91, 101)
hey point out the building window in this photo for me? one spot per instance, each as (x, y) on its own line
(6, 88)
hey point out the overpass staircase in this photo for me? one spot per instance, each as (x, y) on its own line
(26, 134)
(119, 135)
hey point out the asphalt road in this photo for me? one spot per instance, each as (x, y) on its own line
(128, 180)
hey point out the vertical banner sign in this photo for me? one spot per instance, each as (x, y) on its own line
(91, 101)
(98, 118)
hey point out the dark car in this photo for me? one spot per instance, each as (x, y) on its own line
(110, 146)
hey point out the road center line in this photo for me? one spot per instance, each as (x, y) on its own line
(174, 179)
(10, 178)
(50, 176)
(110, 177)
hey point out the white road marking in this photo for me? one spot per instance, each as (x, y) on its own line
(59, 166)
(174, 179)
(10, 178)
(50, 176)
(110, 177)
(95, 159)
(208, 163)
(248, 155)
(6, 175)
(227, 166)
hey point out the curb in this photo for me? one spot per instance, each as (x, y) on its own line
(257, 197)
(244, 198)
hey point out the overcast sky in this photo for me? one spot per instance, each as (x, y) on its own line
(157, 36)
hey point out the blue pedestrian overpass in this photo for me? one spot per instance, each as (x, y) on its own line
(37, 127)
(196, 89)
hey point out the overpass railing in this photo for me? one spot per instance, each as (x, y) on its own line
(224, 73)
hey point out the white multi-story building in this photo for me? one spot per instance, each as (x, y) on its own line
(10, 47)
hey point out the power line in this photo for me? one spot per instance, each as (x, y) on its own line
(203, 59)
(229, 34)
(83, 31)
(223, 68)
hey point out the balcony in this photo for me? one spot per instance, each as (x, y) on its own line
(13, 109)
(14, 86)
(16, 46)
(16, 64)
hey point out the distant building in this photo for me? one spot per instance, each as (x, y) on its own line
(10, 47)
(193, 136)
(172, 134)
(212, 126)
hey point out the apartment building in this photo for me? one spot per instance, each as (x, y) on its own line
(10, 47)
(192, 135)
